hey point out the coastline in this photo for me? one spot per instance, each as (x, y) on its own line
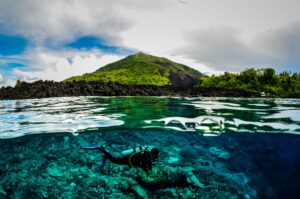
(45, 89)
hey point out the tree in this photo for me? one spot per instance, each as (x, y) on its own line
(260, 80)
(19, 82)
(269, 76)
(250, 77)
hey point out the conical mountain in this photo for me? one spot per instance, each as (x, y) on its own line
(143, 69)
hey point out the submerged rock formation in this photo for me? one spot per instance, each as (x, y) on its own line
(54, 166)
(44, 89)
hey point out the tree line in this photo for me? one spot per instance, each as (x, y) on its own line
(266, 80)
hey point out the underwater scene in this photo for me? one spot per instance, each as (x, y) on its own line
(234, 148)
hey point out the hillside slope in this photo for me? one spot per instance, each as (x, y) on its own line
(143, 69)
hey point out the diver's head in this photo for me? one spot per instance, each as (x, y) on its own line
(154, 153)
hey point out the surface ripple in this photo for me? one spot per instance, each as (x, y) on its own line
(206, 116)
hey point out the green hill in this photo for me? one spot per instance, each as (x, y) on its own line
(143, 69)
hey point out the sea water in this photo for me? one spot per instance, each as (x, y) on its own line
(209, 147)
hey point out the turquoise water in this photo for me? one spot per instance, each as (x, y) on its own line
(210, 147)
(206, 116)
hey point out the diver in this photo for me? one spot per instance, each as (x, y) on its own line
(140, 157)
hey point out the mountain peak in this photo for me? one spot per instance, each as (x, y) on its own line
(140, 53)
(144, 69)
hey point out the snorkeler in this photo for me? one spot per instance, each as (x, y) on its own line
(140, 157)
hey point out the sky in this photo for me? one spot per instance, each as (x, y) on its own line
(57, 39)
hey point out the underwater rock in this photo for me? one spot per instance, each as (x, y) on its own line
(2, 192)
(219, 153)
(66, 138)
(140, 191)
(73, 173)
(192, 153)
(195, 181)
(55, 172)
(173, 160)
(164, 178)
(204, 163)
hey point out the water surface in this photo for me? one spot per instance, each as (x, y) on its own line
(208, 116)
(210, 147)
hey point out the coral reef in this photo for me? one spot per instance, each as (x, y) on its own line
(189, 166)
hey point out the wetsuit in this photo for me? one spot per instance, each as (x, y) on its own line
(140, 159)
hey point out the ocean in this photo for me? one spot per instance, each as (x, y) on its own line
(209, 147)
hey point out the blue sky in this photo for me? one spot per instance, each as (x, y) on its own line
(12, 45)
(58, 39)
(15, 55)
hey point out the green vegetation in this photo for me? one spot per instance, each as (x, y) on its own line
(143, 69)
(19, 82)
(138, 76)
(265, 80)
(138, 69)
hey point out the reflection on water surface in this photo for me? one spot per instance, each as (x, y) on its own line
(207, 116)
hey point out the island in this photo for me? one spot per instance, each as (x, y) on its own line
(146, 75)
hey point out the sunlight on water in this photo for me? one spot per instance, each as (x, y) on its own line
(53, 115)
(238, 115)
(206, 116)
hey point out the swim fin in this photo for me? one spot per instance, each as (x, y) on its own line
(92, 147)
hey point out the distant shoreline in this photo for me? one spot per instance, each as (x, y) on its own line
(45, 89)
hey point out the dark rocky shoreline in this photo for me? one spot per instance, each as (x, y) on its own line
(44, 89)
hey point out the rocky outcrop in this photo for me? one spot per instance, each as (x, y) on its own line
(44, 89)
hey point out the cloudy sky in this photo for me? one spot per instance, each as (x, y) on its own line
(60, 38)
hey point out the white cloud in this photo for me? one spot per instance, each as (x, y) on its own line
(64, 20)
(225, 48)
(155, 27)
(60, 66)
(192, 63)
(4, 81)
(224, 33)
(1, 80)
(48, 25)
